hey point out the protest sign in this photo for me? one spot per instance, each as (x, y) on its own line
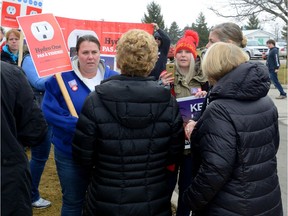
(11, 9)
(189, 107)
(46, 44)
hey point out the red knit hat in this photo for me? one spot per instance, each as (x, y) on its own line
(188, 42)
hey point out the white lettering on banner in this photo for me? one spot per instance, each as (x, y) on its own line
(108, 49)
(196, 107)
(41, 55)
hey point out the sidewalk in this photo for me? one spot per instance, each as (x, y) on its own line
(282, 106)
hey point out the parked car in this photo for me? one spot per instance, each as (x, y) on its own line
(254, 49)
(282, 46)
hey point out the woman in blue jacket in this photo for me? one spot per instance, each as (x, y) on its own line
(88, 71)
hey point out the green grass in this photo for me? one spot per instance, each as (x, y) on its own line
(282, 74)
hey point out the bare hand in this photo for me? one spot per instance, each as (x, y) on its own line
(189, 128)
(201, 94)
(155, 26)
(166, 78)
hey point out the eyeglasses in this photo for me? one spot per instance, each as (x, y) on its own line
(157, 38)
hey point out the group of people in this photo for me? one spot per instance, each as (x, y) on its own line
(125, 153)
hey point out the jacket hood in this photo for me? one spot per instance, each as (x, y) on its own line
(249, 81)
(133, 99)
(156, 34)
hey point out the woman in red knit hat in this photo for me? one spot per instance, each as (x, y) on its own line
(189, 80)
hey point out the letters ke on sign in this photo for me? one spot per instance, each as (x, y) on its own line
(189, 107)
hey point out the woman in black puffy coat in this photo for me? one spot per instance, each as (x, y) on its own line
(130, 129)
(236, 140)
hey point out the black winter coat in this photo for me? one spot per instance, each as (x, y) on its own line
(129, 130)
(7, 58)
(162, 53)
(22, 124)
(234, 148)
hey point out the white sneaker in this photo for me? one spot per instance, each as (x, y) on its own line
(41, 203)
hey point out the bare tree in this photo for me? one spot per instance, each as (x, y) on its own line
(245, 8)
(241, 9)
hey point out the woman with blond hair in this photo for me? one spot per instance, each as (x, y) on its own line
(10, 51)
(235, 141)
(130, 129)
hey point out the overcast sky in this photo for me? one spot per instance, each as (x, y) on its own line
(184, 12)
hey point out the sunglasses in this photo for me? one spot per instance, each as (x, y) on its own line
(157, 38)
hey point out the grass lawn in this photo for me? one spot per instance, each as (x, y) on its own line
(282, 74)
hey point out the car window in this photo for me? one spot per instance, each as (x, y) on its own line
(252, 43)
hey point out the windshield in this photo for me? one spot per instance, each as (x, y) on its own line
(252, 43)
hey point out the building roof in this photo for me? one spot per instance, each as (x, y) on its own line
(257, 31)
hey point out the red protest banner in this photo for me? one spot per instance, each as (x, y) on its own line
(108, 33)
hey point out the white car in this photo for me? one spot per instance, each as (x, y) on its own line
(254, 49)
(282, 49)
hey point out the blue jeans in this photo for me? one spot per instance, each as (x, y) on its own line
(39, 156)
(74, 180)
(275, 81)
(184, 181)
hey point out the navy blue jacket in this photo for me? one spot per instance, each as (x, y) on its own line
(273, 61)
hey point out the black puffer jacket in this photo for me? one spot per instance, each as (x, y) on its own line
(235, 146)
(129, 130)
(22, 124)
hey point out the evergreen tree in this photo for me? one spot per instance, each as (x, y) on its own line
(253, 23)
(154, 15)
(201, 28)
(174, 32)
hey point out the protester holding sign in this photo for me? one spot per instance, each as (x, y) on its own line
(236, 139)
(227, 32)
(189, 80)
(88, 71)
(129, 130)
(10, 50)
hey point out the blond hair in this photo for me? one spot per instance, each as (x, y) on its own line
(137, 53)
(220, 59)
(12, 31)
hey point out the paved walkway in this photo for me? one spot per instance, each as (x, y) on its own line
(282, 106)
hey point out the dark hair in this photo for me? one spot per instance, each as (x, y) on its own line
(89, 38)
(271, 41)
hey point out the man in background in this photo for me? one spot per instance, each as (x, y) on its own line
(163, 41)
(273, 64)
